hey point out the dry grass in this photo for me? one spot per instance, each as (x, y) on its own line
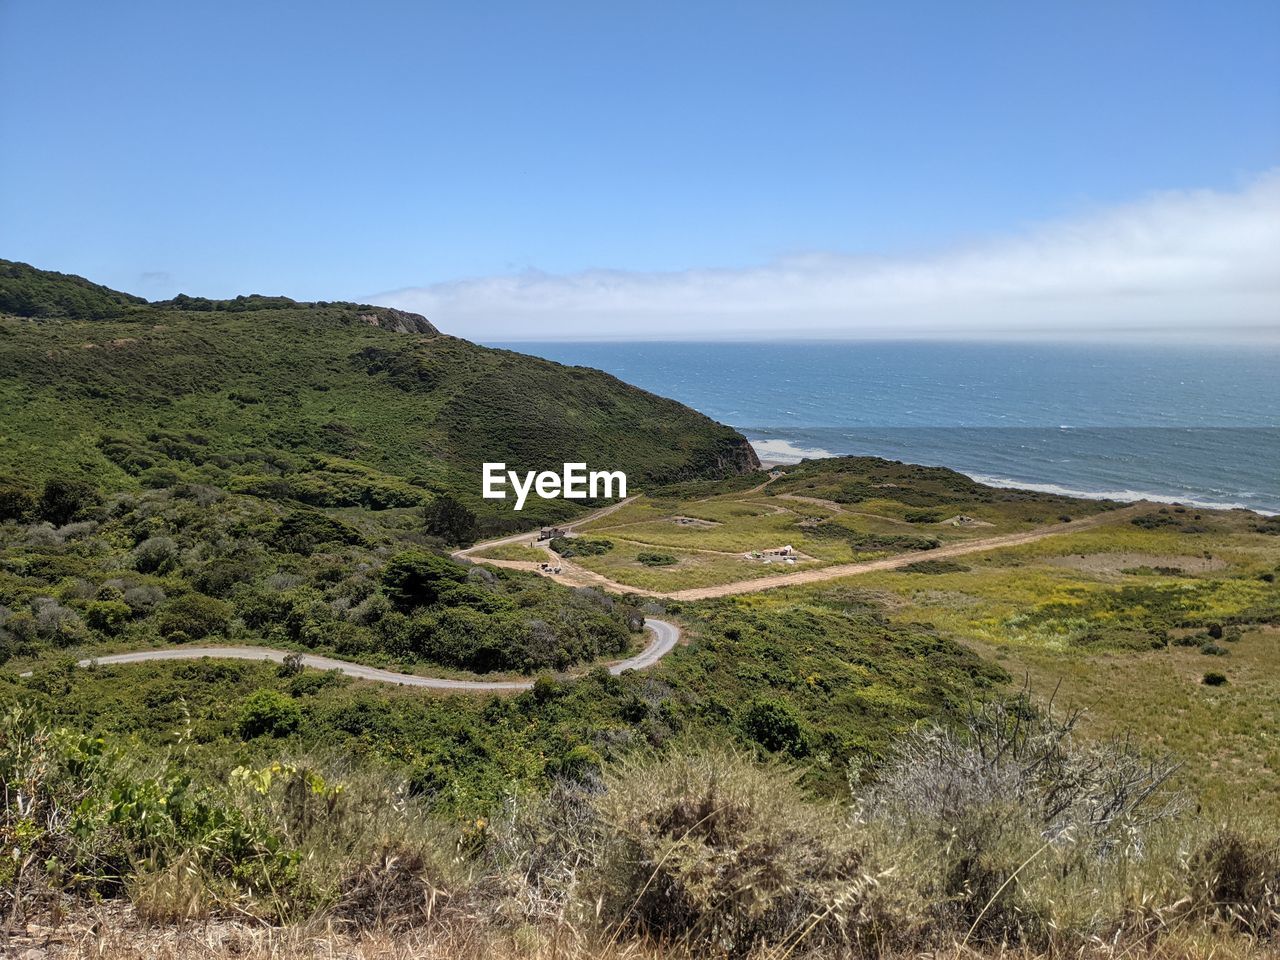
(114, 934)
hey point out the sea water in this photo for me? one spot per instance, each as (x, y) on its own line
(1198, 425)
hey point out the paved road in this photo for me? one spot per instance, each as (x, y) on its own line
(665, 637)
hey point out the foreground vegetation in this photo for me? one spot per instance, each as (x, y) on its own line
(1005, 832)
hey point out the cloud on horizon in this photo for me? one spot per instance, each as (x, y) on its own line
(1194, 263)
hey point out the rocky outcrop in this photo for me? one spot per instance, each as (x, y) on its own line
(398, 321)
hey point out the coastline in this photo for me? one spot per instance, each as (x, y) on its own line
(777, 452)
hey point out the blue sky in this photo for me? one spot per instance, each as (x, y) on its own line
(390, 150)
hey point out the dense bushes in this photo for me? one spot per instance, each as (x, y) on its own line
(417, 578)
(448, 519)
(581, 546)
(651, 559)
(62, 500)
(279, 841)
(191, 562)
(267, 712)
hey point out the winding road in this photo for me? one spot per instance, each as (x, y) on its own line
(665, 636)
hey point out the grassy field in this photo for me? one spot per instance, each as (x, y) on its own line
(712, 533)
(1116, 619)
(1113, 620)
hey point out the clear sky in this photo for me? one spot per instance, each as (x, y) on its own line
(617, 167)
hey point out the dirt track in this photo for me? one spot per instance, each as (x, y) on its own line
(576, 576)
(665, 636)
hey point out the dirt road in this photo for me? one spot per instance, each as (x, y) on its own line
(665, 636)
(574, 575)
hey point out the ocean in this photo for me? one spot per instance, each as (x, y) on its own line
(1198, 425)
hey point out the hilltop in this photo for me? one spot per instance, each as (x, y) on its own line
(327, 404)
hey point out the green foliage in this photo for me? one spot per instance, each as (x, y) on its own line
(917, 490)
(269, 713)
(450, 520)
(107, 616)
(326, 404)
(581, 546)
(193, 615)
(935, 567)
(28, 292)
(16, 503)
(651, 559)
(416, 578)
(302, 531)
(874, 542)
(62, 500)
(1213, 678)
(774, 725)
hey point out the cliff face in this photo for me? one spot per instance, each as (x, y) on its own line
(743, 458)
(399, 321)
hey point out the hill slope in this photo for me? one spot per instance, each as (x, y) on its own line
(331, 404)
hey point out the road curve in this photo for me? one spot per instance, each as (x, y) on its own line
(665, 636)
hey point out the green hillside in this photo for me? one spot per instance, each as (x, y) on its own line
(327, 404)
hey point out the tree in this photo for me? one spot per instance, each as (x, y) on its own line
(16, 503)
(416, 578)
(62, 500)
(775, 726)
(450, 520)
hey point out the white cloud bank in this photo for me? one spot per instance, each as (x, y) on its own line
(1200, 263)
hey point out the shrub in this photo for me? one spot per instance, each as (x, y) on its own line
(725, 857)
(580, 546)
(56, 623)
(450, 520)
(1011, 794)
(1236, 879)
(16, 504)
(194, 615)
(291, 666)
(270, 713)
(155, 555)
(774, 725)
(1214, 679)
(655, 559)
(62, 500)
(144, 599)
(935, 567)
(219, 577)
(1213, 650)
(416, 578)
(108, 616)
(923, 516)
(301, 531)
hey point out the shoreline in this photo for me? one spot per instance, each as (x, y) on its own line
(774, 453)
